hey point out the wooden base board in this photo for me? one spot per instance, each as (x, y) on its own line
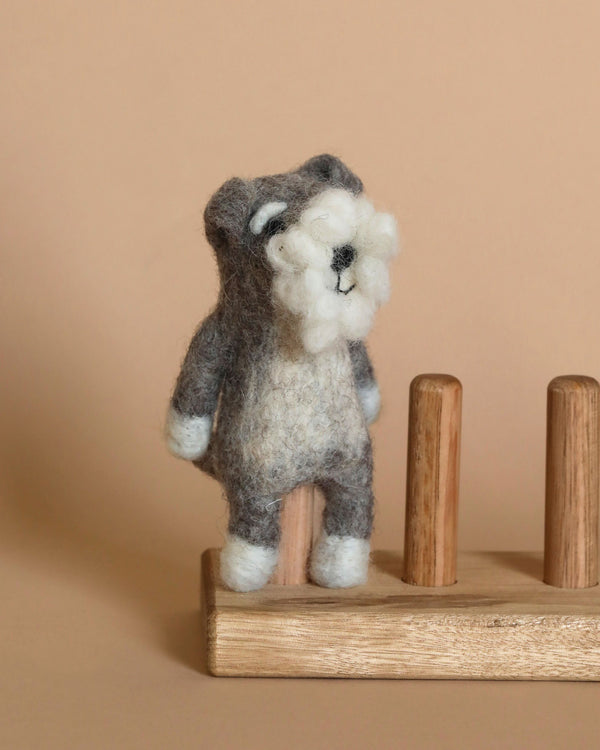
(499, 621)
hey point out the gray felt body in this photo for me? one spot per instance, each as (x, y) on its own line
(282, 417)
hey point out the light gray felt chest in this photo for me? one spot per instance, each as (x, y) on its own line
(291, 410)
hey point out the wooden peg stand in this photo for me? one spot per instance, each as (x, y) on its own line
(498, 621)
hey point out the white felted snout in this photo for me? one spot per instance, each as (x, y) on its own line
(326, 305)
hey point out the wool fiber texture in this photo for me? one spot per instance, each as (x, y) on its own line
(277, 388)
(340, 561)
(245, 566)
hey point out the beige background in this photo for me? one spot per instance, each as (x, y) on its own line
(477, 124)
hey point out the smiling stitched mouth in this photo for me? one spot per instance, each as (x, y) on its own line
(342, 291)
(343, 257)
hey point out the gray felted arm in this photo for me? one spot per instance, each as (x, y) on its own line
(368, 390)
(194, 402)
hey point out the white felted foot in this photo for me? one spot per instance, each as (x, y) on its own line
(370, 401)
(187, 437)
(340, 561)
(245, 566)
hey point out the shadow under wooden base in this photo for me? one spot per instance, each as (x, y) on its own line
(497, 622)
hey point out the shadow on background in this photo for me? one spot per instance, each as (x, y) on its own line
(76, 504)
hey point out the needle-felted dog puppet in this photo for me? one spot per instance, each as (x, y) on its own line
(277, 389)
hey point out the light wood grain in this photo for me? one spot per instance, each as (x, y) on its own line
(499, 621)
(300, 522)
(572, 482)
(432, 480)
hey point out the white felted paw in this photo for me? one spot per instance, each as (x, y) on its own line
(370, 400)
(187, 437)
(245, 566)
(340, 561)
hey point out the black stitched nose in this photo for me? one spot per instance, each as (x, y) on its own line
(342, 258)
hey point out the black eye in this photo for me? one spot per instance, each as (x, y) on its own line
(274, 226)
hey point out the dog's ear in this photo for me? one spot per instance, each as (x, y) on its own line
(227, 213)
(331, 170)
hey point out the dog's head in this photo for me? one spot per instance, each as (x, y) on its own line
(317, 239)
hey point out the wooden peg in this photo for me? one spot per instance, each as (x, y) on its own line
(299, 527)
(572, 484)
(432, 480)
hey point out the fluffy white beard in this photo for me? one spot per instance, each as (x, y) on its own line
(305, 284)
